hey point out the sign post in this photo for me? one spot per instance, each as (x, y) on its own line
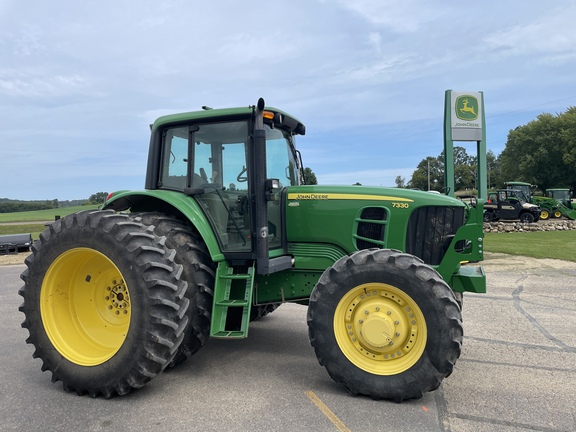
(464, 120)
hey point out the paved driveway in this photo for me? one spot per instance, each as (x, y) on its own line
(517, 372)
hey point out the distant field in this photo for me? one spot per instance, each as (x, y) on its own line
(42, 215)
(22, 218)
(34, 229)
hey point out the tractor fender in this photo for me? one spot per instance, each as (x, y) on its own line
(173, 203)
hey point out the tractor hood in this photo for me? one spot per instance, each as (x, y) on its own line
(528, 206)
(355, 217)
(370, 193)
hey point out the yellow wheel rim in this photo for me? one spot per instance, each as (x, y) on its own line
(557, 214)
(544, 214)
(85, 306)
(380, 329)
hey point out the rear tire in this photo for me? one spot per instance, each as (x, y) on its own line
(384, 324)
(198, 271)
(103, 302)
(544, 215)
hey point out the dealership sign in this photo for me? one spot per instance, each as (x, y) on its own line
(466, 116)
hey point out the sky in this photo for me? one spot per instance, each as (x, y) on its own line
(80, 82)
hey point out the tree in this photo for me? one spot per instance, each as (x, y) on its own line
(428, 169)
(429, 174)
(309, 177)
(493, 172)
(98, 198)
(543, 151)
(400, 182)
(464, 169)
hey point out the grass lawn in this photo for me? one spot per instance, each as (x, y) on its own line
(540, 244)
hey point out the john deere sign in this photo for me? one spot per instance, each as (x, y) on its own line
(464, 120)
(466, 116)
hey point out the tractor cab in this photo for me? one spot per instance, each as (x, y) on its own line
(224, 170)
(526, 188)
(209, 161)
(560, 194)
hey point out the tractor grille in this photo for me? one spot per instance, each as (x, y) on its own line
(430, 230)
(371, 227)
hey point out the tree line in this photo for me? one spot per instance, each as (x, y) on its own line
(13, 206)
(542, 152)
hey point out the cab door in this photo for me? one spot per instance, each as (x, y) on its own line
(281, 165)
(508, 208)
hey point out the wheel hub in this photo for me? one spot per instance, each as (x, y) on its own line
(377, 330)
(117, 296)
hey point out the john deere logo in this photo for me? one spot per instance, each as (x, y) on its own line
(467, 107)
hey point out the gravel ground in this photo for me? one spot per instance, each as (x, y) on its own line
(13, 259)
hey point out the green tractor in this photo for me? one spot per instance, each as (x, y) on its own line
(223, 233)
(553, 205)
(564, 199)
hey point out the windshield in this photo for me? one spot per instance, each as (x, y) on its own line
(512, 195)
(563, 195)
(525, 189)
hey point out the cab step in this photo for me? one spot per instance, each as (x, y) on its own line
(232, 302)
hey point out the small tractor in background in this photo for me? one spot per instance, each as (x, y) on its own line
(563, 197)
(224, 232)
(510, 204)
(552, 206)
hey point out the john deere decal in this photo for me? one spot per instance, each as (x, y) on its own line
(466, 107)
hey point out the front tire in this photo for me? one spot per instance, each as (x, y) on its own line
(103, 302)
(526, 218)
(384, 324)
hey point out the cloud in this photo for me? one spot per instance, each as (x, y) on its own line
(30, 84)
(79, 84)
(407, 16)
(552, 35)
